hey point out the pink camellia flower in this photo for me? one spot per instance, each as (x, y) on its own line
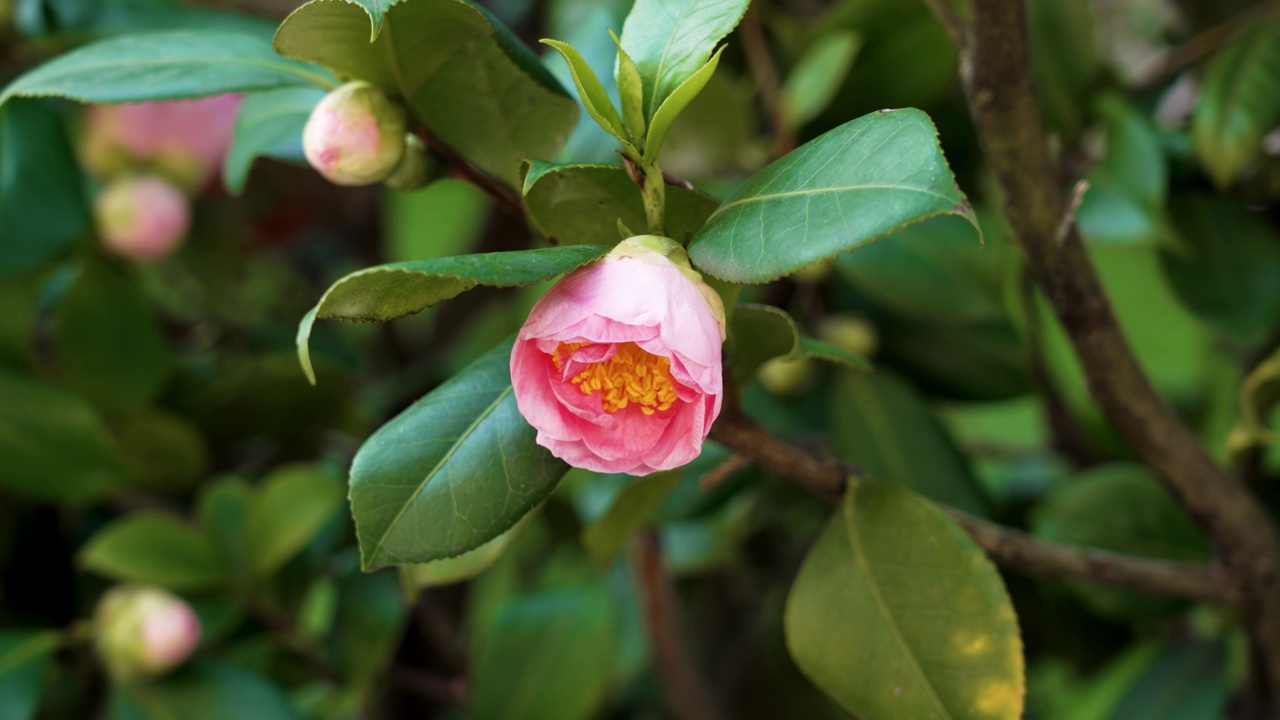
(618, 366)
(143, 632)
(355, 135)
(143, 218)
(187, 140)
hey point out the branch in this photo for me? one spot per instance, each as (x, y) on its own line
(463, 170)
(949, 18)
(1010, 548)
(1006, 115)
(687, 693)
(765, 73)
(1175, 60)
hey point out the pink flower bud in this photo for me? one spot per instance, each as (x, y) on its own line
(143, 632)
(186, 140)
(143, 218)
(356, 135)
(618, 366)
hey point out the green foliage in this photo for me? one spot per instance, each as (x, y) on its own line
(1239, 102)
(607, 536)
(269, 125)
(156, 549)
(897, 613)
(24, 657)
(205, 690)
(292, 505)
(452, 472)
(851, 186)
(762, 333)
(817, 76)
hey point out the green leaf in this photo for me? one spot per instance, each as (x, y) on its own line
(1239, 101)
(582, 204)
(465, 566)
(23, 658)
(386, 292)
(222, 510)
(269, 125)
(52, 444)
(450, 473)
(1225, 267)
(1186, 682)
(203, 690)
(669, 40)
(897, 613)
(607, 536)
(165, 66)
(291, 506)
(537, 643)
(1127, 189)
(396, 50)
(590, 91)
(155, 549)
(882, 425)
(630, 91)
(486, 105)
(1121, 508)
(675, 104)
(369, 626)
(109, 345)
(166, 453)
(817, 76)
(1064, 60)
(759, 333)
(42, 204)
(855, 184)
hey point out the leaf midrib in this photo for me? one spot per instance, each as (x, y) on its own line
(462, 439)
(855, 546)
(823, 191)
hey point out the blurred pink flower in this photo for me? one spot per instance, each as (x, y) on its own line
(618, 366)
(143, 218)
(185, 139)
(142, 632)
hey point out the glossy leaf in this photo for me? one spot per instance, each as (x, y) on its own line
(582, 204)
(155, 549)
(607, 536)
(390, 291)
(851, 186)
(630, 91)
(52, 444)
(203, 690)
(669, 40)
(165, 66)
(896, 612)
(452, 472)
(675, 104)
(591, 91)
(1186, 682)
(487, 106)
(1239, 102)
(23, 658)
(1225, 266)
(396, 50)
(42, 204)
(269, 125)
(1121, 508)
(880, 423)
(536, 643)
(291, 506)
(762, 332)
(817, 76)
(108, 342)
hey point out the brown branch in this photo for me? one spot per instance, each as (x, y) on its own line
(1006, 114)
(438, 688)
(765, 73)
(687, 692)
(1175, 60)
(460, 168)
(1010, 548)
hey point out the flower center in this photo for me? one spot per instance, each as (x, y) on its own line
(631, 376)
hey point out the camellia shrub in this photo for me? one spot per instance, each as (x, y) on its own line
(567, 359)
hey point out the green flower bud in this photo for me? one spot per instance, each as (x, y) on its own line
(414, 169)
(142, 632)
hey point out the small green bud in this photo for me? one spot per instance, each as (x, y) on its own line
(851, 333)
(785, 377)
(414, 169)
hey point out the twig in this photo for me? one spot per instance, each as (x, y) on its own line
(766, 76)
(721, 472)
(1175, 60)
(687, 693)
(949, 17)
(1010, 548)
(441, 689)
(1006, 115)
(463, 170)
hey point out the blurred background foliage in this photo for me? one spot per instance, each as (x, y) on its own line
(155, 427)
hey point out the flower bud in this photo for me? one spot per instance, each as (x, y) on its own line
(850, 333)
(618, 366)
(184, 140)
(356, 135)
(142, 632)
(786, 377)
(143, 218)
(412, 172)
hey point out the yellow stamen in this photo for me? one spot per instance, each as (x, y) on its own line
(632, 375)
